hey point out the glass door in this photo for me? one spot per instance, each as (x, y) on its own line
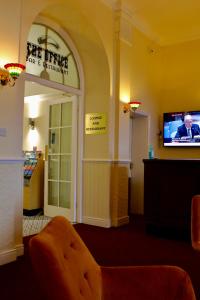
(60, 162)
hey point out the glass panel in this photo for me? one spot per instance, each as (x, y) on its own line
(65, 167)
(65, 194)
(66, 114)
(53, 167)
(53, 193)
(52, 60)
(74, 78)
(65, 140)
(54, 117)
(54, 141)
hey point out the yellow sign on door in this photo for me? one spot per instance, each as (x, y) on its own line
(95, 123)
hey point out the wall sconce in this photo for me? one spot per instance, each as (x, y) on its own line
(10, 73)
(31, 123)
(131, 106)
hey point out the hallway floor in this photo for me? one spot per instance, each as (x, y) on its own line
(34, 224)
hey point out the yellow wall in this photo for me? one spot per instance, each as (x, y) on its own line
(142, 63)
(11, 119)
(180, 89)
(95, 65)
(88, 25)
(146, 78)
(164, 79)
(141, 69)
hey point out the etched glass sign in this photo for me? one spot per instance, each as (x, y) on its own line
(49, 57)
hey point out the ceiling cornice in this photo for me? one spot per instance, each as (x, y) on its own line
(128, 15)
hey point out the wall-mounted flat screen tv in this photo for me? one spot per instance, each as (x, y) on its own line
(181, 129)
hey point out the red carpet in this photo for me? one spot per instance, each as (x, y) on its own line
(126, 245)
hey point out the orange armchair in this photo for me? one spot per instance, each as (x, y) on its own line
(195, 222)
(67, 271)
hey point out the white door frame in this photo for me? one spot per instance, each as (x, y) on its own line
(144, 118)
(80, 132)
(67, 89)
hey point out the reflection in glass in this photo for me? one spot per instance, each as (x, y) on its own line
(65, 140)
(66, 114)
(53, 161)
(53, 193)
(65, 194)
(54, 118)
(54, 141)
(65, 167)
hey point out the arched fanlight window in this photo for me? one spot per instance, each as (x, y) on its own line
(49, 57)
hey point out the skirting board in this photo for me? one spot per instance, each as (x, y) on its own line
(120, 221)
(97, 221)
(10, 255)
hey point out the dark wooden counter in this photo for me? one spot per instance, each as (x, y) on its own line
(169, 185)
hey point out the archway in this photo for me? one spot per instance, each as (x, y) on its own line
(95, 65)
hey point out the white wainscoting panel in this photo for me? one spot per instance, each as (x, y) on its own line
(11, 209)
(96, 193)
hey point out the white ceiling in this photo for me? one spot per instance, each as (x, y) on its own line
(165, 21)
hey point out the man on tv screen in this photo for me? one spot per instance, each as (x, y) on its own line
(188, 130)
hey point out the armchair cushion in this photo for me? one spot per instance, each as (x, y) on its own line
(67, 271)
(64, 265)
(146, 282)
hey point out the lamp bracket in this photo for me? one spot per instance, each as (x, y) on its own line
(32, 123)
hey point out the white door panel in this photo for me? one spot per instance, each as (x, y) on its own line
(60, 164)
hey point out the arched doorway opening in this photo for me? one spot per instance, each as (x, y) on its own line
(53, 84)
(93, 150)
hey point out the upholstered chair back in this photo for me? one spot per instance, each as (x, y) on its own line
(70, 270)
(195, 222)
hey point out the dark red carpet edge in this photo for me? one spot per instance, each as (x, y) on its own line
(126, 245)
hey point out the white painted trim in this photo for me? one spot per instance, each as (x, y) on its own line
(111, 161)
(11, 160)
(97, 221)
(10, 255)
(52, 84)
(80, 136)
(74, 145)
(19, 249)
(138, 114)
(45, 97)
(50, 210)
(7, 256)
